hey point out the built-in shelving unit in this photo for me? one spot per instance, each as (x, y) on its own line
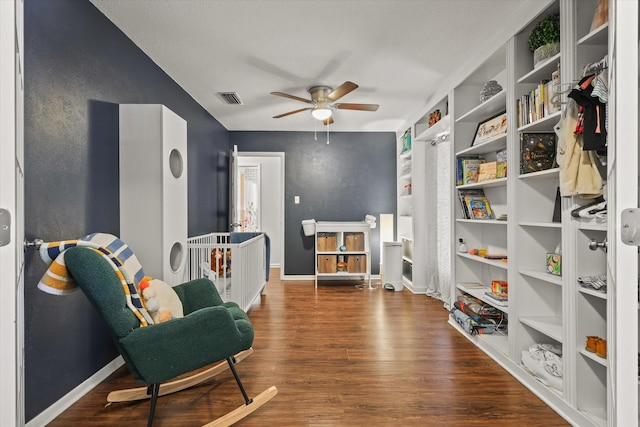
(413, 207)
(544, 306)
(405, 203)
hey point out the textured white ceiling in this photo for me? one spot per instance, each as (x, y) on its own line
(397, 51)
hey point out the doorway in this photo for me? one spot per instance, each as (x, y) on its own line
(266, 172)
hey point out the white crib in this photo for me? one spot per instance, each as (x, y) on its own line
(237, 269)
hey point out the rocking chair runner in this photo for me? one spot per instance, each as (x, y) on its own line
(209, 332)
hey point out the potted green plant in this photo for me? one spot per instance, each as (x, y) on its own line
(544, 40)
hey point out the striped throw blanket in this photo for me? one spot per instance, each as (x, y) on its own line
(57, 280)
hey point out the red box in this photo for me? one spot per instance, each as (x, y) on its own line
(499, 287)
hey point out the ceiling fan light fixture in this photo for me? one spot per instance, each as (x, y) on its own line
(321, 113)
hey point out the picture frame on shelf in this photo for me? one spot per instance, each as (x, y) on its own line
(490, 128)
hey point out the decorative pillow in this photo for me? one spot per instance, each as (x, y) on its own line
(161, 300)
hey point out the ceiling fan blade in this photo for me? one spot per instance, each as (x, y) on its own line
(328, 121)
(297, 98)
(361, 107)
(341, 91)
(291, 112)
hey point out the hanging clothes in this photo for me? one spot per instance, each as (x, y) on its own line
(578, 169)
(594, 115)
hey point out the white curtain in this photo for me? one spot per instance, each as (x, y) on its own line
(438, 220)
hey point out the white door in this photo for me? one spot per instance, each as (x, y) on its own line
(271, 199)
(623, 193)
(12, 213)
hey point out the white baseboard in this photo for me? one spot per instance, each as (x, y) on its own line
(414, 289)
(312, 277)
(298, 277)
(50, 414)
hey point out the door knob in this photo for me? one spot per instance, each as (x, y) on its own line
(594, 244)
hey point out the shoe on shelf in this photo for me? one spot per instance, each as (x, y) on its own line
(592, 344)
(601, 349)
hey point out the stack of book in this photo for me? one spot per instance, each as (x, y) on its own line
(538, 103)
(468, 169)
(500, 299)
(474, 204)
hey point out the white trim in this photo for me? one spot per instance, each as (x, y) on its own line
(11, 307)
(622, 321)
(301, 277)
(50, 414)
(414, 289)
(305, 277)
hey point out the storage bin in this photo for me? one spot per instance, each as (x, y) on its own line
(354, 242)
(327, 242)
(357, 264)
(327, 263)
(309, 227)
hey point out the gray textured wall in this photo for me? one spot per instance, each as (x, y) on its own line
(78, 68)
(351, 177)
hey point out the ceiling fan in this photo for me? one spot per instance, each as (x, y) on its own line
(323, 102)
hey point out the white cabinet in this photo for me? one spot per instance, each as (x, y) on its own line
(153, 188)
(342, 250)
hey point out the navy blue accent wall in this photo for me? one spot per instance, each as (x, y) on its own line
(78, 68)
(345, 180)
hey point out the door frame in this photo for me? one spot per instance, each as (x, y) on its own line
(281, 155)
(12, 199)
(622, 182)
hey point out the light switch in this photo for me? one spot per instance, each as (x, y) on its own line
(296, 199)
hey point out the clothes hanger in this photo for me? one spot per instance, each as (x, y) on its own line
(564, 88)
(596, 67)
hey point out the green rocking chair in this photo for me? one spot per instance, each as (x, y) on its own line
(210, 331)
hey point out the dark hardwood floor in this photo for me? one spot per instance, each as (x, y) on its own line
(341, 356)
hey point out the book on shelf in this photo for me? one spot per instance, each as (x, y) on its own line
(499, 297)
(557, 210)
(501, 163)
(472, 285)
(463, 194)
(487, 171)
(467, 171)
(479, 207)
(539, 102)
(538, 151)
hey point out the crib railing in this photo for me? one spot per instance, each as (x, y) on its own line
(238, 270)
